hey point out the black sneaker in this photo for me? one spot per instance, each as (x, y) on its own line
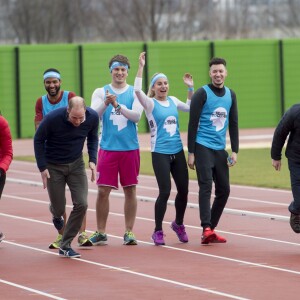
(68, 252)
(295, 222)
(58, 222)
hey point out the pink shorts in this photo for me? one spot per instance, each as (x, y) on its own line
(110, 164)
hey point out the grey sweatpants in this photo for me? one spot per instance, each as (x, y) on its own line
(73, 175)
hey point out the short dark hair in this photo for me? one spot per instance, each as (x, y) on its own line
(217, 61)
(120, 58)
(51, 70)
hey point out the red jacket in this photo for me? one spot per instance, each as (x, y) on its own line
(6, 151)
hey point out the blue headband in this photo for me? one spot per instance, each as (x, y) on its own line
(51, 74)
(159, 75)
(116, 64)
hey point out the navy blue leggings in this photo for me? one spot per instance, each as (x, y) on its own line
(163, 166)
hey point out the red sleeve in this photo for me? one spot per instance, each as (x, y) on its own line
(38, 110)
(71, 95)
(6, 151)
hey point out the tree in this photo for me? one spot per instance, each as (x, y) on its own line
(65, 21)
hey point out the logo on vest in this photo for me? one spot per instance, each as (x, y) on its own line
(170, 125)
(118, 119)
(218, 118)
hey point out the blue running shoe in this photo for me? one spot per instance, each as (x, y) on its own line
(68, 252)
(58, 222)
(98, 238)
(129, 238)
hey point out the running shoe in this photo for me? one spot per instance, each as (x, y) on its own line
(180, 231)
(207, 236)
(158, 238)
(129, 238)
(56, 243)
(83, 240)
(58, 222)
(68, 252)
(218, 239)
(295, 222)
(98, 238)
(1, 236)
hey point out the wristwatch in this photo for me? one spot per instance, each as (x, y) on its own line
(118, 108)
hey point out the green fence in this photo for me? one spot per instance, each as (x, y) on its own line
(263, 73)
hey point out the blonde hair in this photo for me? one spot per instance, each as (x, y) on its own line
(151, 93)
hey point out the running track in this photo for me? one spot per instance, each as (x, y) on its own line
(261, 259)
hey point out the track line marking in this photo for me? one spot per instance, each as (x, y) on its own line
(248, 263)
(31, 290)
(236, 212)
(173, 282)
(170, 202)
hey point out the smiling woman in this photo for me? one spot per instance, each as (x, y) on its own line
(166, 147)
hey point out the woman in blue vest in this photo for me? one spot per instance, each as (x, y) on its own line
(166, 146)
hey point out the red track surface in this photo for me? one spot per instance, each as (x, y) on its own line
(261, 259)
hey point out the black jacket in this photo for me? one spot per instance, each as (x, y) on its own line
(288, 125)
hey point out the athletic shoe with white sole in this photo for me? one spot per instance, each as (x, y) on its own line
(98, 238)
(68, 252)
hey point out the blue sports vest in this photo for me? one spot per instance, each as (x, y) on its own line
(165, 136)
(119, 133)
(214, 120)
(48, 106)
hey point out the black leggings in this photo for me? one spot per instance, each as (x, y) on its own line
(163, 165)
(2, 181)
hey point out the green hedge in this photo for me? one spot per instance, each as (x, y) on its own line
(254, 73)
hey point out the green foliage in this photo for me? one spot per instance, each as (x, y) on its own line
(254, 168)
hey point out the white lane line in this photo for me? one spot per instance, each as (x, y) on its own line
(110, 267)
(243, 187)
(181, 249)
(142, 219)
(143, 187)
(171, 202)
(30, 289)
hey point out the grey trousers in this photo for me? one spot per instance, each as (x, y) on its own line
(73, 175)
